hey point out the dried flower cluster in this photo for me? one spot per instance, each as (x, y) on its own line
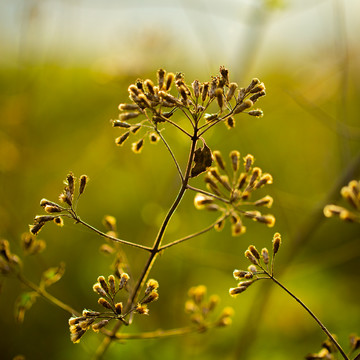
(230, 191)
(114, 310)
(158, 103)
(67, 198)
(262, 266)
(351, 193)
(200, 309)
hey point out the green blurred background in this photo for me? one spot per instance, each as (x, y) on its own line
(64, 68)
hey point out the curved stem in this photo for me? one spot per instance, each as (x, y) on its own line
(208, 194)
(111, 237)
(210, 227)
(312, 315)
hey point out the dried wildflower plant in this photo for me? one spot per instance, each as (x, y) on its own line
(351, 193)
(262, 268)
(152, 108)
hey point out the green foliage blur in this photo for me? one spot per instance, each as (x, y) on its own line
(55, 118)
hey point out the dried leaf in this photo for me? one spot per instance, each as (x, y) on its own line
(52, 275)
(24, 302)
(202, 160)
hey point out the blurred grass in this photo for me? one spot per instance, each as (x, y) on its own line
(55, 118)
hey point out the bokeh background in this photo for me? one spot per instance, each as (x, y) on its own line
(66, 65)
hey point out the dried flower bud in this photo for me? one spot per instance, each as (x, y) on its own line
(239, 274)
(268, 219)
(101, 280)
(347, 193)
(150, 86)
(231, 92)
(230, 122)
(254, 251)
(169, 80)
(238, 229)
(141, 309)
(134, 90)
(124, 278)
(128, 107)
(253, 83)
(35, 229)
(53, 209)
(276, 242)
(154, 137)
(112, 284)
(219, 97)
(213, 87)
(153, 296)
(197, 293)
(99, 290)
(219, 224)
(104, 303)
(249, 255)
(243, 106)
(256, 96)
(213, 301)
(121, 139)
(235, 159)
(256, 172)
(119, 123)
(331, 210)
(119, 308)
(248, 162)
(70, 181)
(265, 201)
(136, 147)
(219, 159)
(161, 78)
(96, 327)
(204, 91)
(236, 291)
(196, 88)
(256, 113)
(266, 179)
(58, 220)
(82, 183)
(265, 255)
(241, 181)
(151, 285)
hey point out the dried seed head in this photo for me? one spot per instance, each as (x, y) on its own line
(112, 284)
(230, 122)
(248, 103)
(104, 303)
(153, 296)
(265, 201)
(276, 242)
(256, 113)
(119, 308)
(219, 97)
(231, 92)
(248, 162)
(99, 290)
(82, 183)
(141, 309)
(124, 278)
(96, 327)
(249, 255)
(236, 291)
(161, 78)
(218, 159)
(58, 220)
(154, 137)
(235, 160)
(101, 280)
(265, 255)
(121, 139)
(136, 147)
(151, 285)
(127, 107)
(254, 251)
(204, 91)
(169, 80)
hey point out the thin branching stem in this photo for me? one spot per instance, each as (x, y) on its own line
(210, 227)
(112, 238)
(327, 332)
(208, 194)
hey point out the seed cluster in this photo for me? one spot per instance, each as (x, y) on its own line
(199, 308)
(55, 210)
(232, 191)
(114, 310)
(351, 193)
(261, 266)
(158, 103)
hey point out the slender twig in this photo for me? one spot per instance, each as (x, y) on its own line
(311, 314)
(208, 194)
(210, 227)
(171, 153)
(78, 220)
